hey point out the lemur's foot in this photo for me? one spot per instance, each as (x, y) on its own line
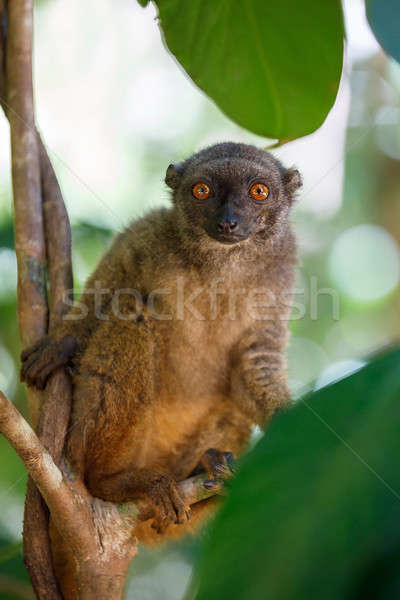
(219, 465)
(168, 503)
(41, 359)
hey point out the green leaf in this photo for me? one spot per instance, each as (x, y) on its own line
(384, 18)
(9, 551)
(315, 509)
(143, 2)
(272, 66)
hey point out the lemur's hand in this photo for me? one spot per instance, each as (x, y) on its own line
(168, 503)
(40, 360)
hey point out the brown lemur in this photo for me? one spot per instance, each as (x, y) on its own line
(178, 341)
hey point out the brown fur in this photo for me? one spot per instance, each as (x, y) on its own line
(152, 394)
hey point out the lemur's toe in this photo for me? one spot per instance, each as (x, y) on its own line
(218, 464)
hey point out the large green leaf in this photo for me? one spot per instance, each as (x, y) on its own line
(315, 509)
(273, 66)
(384, 18)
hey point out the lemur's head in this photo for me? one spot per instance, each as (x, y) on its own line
(233, 192)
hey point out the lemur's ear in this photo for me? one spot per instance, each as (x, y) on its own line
(292, 180)
(173, 175)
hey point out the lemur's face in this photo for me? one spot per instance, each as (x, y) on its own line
(231, 198)
(228, 198)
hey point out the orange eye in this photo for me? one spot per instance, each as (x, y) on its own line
(259, 192)
(201, 191)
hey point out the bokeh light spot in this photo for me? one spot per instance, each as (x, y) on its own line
(8, 272)
(8, 376)
(365, 263)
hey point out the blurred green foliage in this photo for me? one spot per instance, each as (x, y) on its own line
(314, 511)
(14, 580)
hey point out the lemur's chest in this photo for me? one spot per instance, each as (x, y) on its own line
(196, 328)
(226, 303)
(200, 324)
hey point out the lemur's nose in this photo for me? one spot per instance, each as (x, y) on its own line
(227, 226)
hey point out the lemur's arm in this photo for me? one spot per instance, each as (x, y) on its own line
(259, 371)
(71, 337)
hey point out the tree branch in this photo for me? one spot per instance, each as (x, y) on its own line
(57, 401)
(28, 222)
(100, 534)
(60, 495)
(17, 103)
(16, 100)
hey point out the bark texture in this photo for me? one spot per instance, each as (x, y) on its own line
(28, 220)
(54, 415)
(100, 534)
